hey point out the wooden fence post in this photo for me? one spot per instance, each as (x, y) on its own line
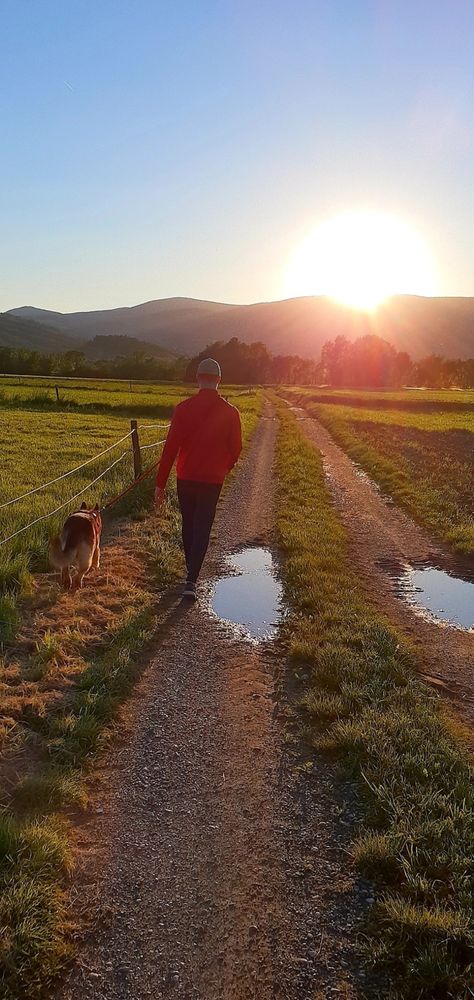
(137, 458)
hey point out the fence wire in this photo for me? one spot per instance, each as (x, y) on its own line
(50, 513)
(64, 475)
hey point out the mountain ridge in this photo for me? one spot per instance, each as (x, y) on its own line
(416, 324)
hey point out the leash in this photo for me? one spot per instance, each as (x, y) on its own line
(128, 489)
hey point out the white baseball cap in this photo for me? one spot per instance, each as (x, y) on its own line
(209, 367)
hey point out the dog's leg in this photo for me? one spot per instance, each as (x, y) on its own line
(95, 561)
(66, 578)
(78, 581)
(84, 563)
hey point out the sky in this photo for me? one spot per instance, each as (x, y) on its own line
(155, 149)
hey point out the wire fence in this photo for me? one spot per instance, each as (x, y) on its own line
(146, 427)
(153, 444)
(137, 448)
(64, 475)
(50, 513)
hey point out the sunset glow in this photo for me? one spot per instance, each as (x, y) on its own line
(361, 258)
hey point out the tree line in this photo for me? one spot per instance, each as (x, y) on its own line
(367, 362)
(245, 364)
(139, 365)
(370, 361)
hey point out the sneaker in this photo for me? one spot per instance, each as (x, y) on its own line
(190, 591)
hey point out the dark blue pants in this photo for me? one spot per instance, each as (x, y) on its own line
(198, 502)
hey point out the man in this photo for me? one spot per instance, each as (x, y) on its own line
(205, 435)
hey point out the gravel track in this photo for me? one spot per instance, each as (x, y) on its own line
(210, 865)
(381, 536)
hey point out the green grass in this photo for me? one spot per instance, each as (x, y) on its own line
(103, 397)
(364, 705)
(40, 447)
(438, 420)
(33, 857)
(9, 618)
(154, 402)
(49, 790)
(421, 459)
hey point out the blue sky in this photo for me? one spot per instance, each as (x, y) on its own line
(186, 148)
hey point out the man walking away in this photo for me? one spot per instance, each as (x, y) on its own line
(205, 435)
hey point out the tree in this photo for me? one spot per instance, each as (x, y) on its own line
(241, 363)
(367, 362)
(72, 362)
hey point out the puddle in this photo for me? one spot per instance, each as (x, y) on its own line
(440, 596)
(251, 598)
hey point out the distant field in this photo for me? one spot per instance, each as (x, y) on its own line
(419, 398)
(43, 382)
(97, 397)
(101, 396)
(43, 442)
(422, 456)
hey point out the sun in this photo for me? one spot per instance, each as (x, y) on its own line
(359, 259)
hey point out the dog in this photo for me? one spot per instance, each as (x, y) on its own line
(77, 546)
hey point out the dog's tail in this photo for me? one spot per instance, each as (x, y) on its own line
(61, 555)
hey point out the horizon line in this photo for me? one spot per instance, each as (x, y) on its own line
(240, 305)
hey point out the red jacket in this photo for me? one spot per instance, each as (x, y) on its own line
(206, 436)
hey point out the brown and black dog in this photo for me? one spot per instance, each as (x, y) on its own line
(77, 546)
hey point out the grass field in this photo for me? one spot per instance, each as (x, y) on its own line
(364, 705)
(101, 396)
(421, 456)
(106, 397)
(40, 447)
(406, 399)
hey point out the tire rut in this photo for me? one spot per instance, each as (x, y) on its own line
(381, 535)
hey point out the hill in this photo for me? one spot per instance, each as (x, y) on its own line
(163, 321)
(411, 323)
(17, 332)
(104, 348)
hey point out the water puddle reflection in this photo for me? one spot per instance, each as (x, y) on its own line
(439, 595)
(251, 598)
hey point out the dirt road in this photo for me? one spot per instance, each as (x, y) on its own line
(210, 866)
(381, 535)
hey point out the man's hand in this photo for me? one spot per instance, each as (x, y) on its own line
(159, 497)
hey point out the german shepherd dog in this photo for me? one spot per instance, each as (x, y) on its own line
(78, 546)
